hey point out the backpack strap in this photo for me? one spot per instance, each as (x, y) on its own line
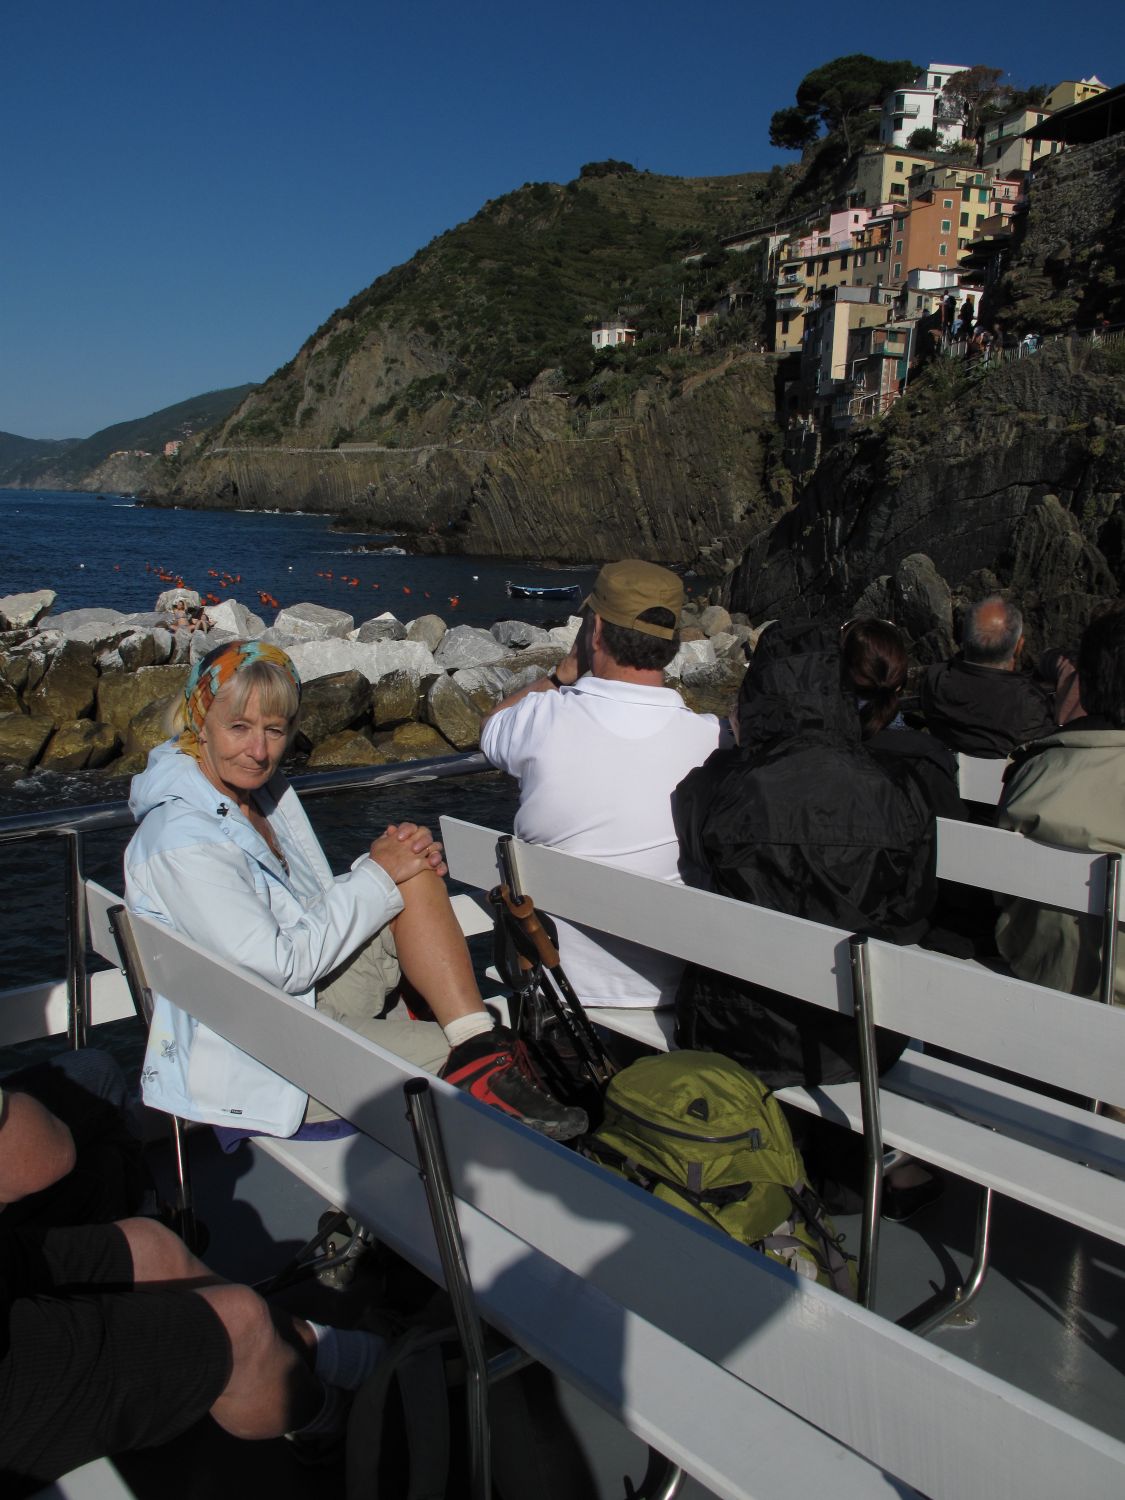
(835, 1261)
(415, 1360)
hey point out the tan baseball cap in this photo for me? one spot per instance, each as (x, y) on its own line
(624, 590)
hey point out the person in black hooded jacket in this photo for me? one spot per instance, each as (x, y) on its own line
(803, 819)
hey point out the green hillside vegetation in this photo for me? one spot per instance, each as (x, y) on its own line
(515, 291)
(21, 456)
(159, 427)
(24, 461)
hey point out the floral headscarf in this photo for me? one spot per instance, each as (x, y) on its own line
(212, 672)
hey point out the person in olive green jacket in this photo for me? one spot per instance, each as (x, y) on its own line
(1069, 788)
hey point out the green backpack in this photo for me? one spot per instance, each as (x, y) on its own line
(697, 1130)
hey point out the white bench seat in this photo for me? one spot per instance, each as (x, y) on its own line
(1007, 1137)
(752, 1378)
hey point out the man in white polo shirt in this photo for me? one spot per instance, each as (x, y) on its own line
(599, 747)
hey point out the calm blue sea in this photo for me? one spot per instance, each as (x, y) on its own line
(105, 550)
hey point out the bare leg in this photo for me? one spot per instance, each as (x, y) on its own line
(432, 951)
(272, 1388)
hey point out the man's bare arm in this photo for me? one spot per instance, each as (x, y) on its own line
(36, 1149)
(566, 674)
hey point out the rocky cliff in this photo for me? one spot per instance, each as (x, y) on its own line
(678, 475)
(1000, 475)
(1011, 476)
(459, 400)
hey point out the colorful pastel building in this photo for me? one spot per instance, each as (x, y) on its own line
(1063, 95)
(924, 235)
(882, 175)
(1005, 150)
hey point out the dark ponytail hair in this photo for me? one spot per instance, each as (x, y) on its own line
(874, 665)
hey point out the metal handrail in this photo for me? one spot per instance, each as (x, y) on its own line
(75, 823)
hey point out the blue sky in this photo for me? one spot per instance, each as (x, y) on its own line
(189, 190)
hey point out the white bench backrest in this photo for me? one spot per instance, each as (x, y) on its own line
(1058, 1039)
(980, 780)
(996, 859)
(553, 1240)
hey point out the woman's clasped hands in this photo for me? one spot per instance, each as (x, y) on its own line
(407, 849)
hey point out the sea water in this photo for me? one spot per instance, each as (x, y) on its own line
(110, 551)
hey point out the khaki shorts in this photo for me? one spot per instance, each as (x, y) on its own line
(356, 995)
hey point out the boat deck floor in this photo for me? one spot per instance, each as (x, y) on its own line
(1048, 1319)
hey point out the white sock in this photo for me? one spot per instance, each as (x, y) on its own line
(464, 1028)
(345, 1357)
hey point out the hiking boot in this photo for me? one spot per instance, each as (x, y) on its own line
(491, 1068)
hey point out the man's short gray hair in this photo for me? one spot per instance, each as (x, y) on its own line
(992, 631)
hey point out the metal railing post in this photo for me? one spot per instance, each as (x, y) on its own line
(862, 1002)
(1109, 927)
(458, 1283)
(77, 979)
(1108, 986)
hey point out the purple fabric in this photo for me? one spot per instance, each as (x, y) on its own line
(230, 1139)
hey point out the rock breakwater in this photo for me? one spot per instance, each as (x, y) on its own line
(94, 689)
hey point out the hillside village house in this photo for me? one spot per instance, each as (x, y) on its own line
(850, 283)
(878, 362)
(924, 291)
(922, 106)
(812, 265)
(824, 354)
(925, 234)
(880, 176)
(1063, 95)
(1005, 149)
(610, 335)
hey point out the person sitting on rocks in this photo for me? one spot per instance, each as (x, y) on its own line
(114, 1337)
(598, 747)
(1069, 788)
(225, 855)
(980, 703)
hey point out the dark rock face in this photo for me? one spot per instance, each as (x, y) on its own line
(452, 712)
(121, 695)
(1066, 268)
(680, 479)
(1017, 475)
(331, 704)
(81, 744)
(22, 737)
(67, 689)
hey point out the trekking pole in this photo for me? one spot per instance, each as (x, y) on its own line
(562, 1000)
(458, 1283)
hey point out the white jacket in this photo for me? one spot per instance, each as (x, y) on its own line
(197, 864)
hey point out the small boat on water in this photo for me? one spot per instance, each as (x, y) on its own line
(542, 590)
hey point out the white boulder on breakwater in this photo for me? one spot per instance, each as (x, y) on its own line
(94, 688)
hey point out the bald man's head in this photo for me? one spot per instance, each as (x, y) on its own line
(993, 633)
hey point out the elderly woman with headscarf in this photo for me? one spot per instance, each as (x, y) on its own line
(225, 855)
